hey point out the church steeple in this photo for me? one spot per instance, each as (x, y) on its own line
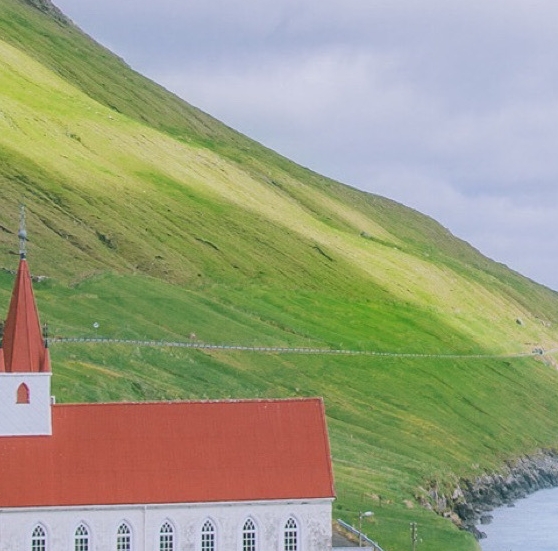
(23, 346)
(25, 401)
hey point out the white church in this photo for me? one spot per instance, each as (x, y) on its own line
(246, 475)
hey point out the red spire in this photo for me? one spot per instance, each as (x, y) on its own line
(23, 343)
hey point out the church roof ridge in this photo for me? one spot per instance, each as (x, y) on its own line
(317, 399)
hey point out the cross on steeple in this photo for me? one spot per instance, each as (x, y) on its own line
(22, 234)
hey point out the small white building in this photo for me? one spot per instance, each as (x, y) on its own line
(247, 475)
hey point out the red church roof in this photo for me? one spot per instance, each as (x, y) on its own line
(23, 344)
(171, 452)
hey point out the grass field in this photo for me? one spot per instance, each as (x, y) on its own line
(155, 221)
(398, 426)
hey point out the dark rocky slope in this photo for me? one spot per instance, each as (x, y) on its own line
(471, 500)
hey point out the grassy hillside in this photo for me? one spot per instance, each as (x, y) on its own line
(154, 220)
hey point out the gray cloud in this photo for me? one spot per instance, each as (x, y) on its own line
(447, 107)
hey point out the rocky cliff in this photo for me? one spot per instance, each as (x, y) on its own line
(470, 501)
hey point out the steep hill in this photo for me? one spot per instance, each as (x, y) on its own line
(156, 221)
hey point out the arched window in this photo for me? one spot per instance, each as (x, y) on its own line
(291, 535)
(22, 394)
(38, 539)
(166, 538)
(81, 539)
(208, 536)
(249, 536)
(124, 538)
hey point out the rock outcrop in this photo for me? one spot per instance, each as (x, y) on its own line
(47, 7)
(471, 499)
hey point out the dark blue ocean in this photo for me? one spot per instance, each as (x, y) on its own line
(531, 525)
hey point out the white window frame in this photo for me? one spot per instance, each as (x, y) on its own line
(164, 542)
(39, 540)
(291, 535)
(124, 537)
(252, 544)
(208, 536)
(82, 540)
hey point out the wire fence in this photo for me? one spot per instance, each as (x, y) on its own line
(196, 345)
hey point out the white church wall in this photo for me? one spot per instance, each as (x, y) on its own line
(25, 419)
(313, 519)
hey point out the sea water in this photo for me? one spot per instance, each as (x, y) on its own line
(530, 525)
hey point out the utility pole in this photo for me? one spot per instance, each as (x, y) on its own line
(360, 515)
(414, 536)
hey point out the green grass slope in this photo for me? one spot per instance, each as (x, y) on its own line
(154, 220)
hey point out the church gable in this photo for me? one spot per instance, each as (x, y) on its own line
(25, 404)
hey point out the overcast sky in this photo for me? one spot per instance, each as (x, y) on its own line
(448, 107)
